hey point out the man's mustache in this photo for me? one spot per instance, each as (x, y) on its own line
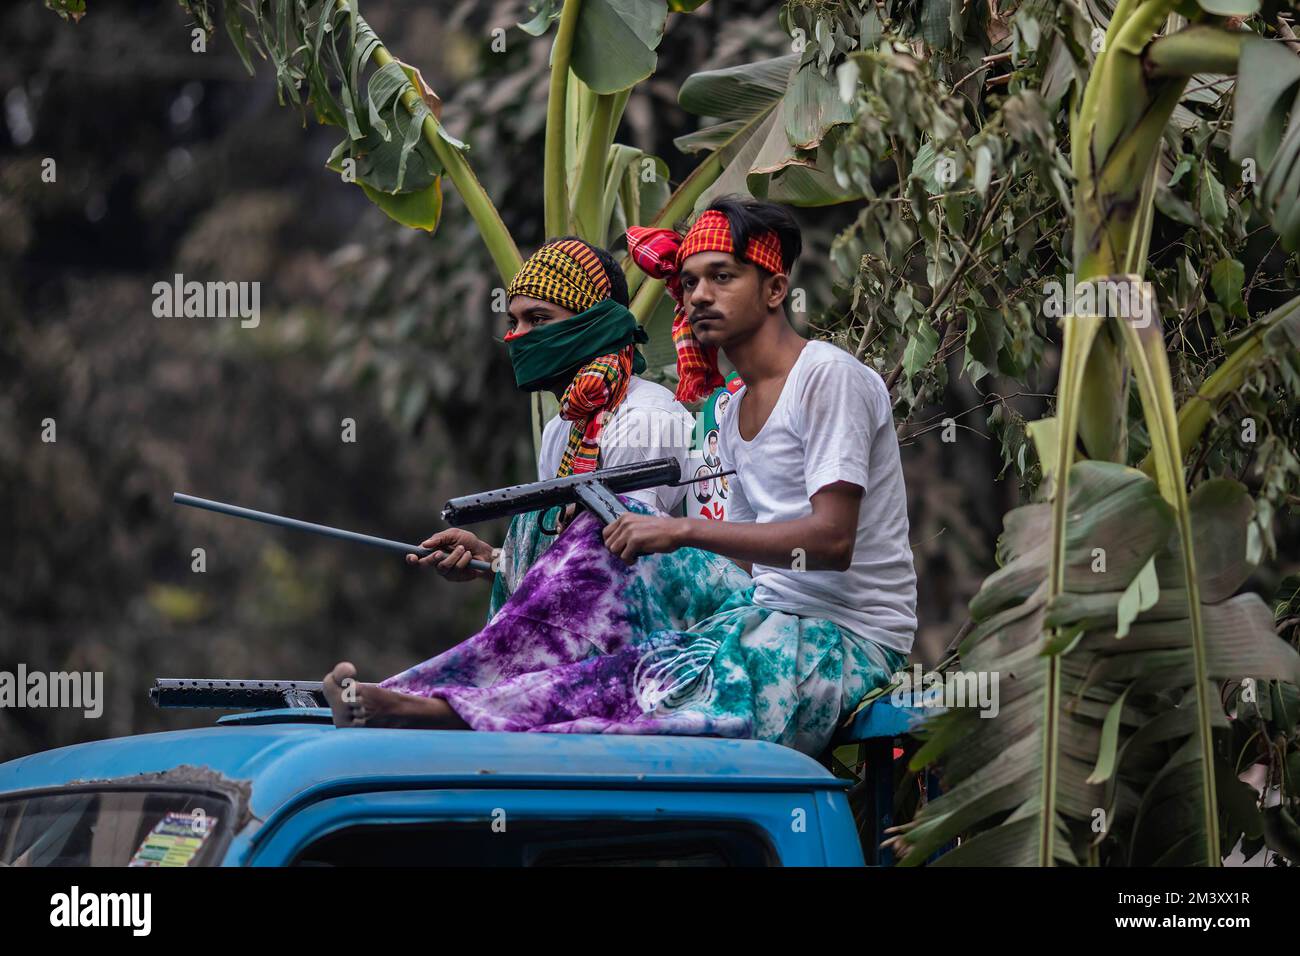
(702, 314)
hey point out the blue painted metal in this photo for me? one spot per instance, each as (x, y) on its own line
(840, 842)
(878, 768)
(285, 759)
(885, 718)
(279, 715)
(293, 765)
(794, 823)
(875, 729)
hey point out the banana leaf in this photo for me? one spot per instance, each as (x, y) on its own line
(1127, 773)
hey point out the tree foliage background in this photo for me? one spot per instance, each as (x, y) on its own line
(171, 161)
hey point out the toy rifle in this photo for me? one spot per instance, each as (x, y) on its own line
(169, 692)
(596, 491)
(220, 507)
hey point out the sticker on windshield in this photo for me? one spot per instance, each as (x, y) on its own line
(175, 840)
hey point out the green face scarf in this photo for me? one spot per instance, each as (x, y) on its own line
(548, 356)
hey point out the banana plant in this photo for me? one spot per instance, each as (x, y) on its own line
(1115, 609)
(774, 116)
(1115, 606)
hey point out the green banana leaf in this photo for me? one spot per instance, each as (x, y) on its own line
(771, 118)
(1127, 750)
(614, 41)
(1268, 87)
(324, 51)
(614, 47)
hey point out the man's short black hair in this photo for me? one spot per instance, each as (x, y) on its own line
(752, 216)
(617, 278)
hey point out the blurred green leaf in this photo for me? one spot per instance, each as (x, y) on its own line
(615, 42)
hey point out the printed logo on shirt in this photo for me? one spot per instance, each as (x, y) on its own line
(707, 494)
(673, 678)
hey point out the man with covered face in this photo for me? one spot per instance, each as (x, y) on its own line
(570, 333)
(772, 625)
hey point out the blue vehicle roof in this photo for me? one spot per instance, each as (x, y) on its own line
(286, 761)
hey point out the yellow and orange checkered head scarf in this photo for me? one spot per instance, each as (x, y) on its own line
(568, 273)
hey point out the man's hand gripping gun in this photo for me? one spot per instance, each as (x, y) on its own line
(595, 490)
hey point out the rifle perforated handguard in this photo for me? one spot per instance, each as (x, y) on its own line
(236, 694)
(594, 490)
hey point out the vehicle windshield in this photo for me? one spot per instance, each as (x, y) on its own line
(129, 827)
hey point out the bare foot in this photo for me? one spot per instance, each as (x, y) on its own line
(381, 707)
(340, 686)
(355, 704)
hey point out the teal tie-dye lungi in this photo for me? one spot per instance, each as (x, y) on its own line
(579, 642)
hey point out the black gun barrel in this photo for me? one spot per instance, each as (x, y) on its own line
(537, 495)
(280, 521)
(227, 694)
